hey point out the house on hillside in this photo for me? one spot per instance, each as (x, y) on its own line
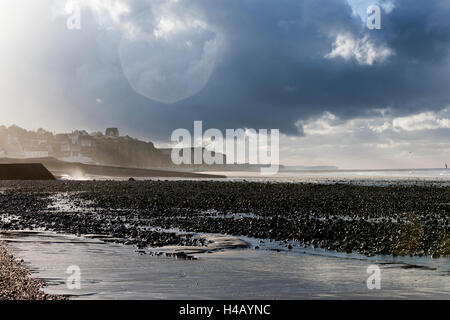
(112, 133)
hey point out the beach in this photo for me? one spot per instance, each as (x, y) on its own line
(177, 219)
(16, 282)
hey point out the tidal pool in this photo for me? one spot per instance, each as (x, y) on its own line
(113, 271)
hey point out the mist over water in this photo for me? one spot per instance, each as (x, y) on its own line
(365, 177)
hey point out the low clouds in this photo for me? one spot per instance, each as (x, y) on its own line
(363, 50)
(328, 123)
(423, 121)
(418, 140)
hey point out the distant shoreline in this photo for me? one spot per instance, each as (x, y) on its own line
(80, 170)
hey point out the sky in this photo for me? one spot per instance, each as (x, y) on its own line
(340, 93)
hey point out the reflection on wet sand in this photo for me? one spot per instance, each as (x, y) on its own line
(112, 271)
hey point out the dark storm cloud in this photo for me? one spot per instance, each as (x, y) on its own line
(273, 70)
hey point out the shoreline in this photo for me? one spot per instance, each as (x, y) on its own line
(78, 170)
(16, 281)
(293, 274)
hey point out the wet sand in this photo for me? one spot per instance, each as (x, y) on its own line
(115, 271)
(392, 220)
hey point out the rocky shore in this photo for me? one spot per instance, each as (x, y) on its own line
(16, 282)
(391, 220)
